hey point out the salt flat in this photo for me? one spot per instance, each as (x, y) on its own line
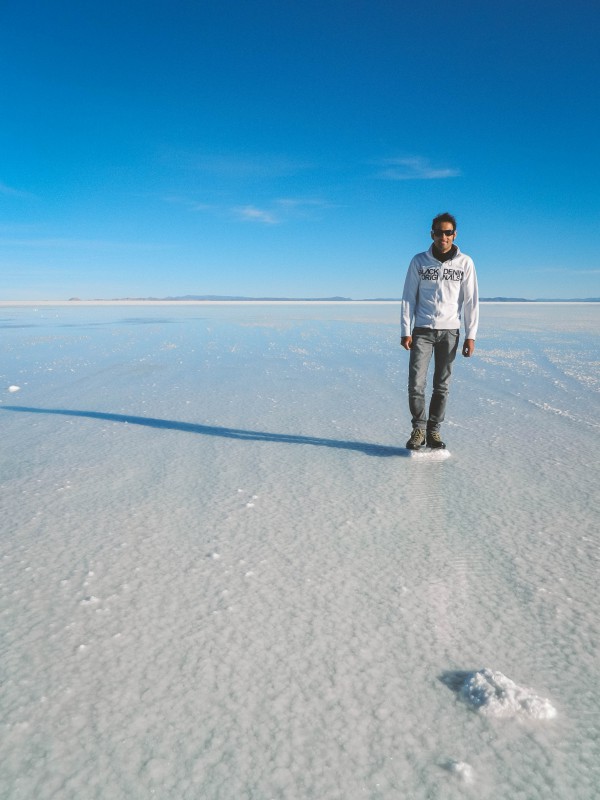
(223, 576)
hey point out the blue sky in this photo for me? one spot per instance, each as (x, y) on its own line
(295, 148)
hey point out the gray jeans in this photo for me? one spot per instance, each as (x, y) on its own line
(442, 345)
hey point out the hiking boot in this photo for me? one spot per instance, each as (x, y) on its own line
(434, 440)
(417, 439)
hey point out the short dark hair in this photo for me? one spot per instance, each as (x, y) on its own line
(445, 217)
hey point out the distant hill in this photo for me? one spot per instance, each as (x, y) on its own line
(272, 299)
(241, 298)
(540, 300)
(225, 298)
(506, 300)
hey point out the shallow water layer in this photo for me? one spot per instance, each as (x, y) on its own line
(223, 575)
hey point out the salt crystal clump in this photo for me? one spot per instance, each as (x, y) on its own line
(462, 770)
(492, 693)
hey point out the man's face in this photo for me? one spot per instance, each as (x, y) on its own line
(443, 235)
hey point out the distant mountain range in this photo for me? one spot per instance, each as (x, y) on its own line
(540, 300)
(236, 298)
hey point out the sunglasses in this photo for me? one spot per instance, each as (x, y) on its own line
(438, 234)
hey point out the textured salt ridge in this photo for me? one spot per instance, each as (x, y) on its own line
(493, 694)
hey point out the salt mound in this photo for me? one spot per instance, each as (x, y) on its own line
(462, 770)
(495, 695)
(430, 455)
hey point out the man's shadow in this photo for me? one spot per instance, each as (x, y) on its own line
(367, 448)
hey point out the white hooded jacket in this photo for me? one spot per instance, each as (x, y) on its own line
(436, 294)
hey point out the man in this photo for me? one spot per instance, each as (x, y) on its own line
(440, 285)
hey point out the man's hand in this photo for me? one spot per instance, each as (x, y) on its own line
(468, 348)
(406, 342)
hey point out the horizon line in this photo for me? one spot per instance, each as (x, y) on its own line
(240, 300)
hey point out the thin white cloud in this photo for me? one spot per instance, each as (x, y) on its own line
(254, 214)
(276, 211)
(10, 191)
(282, 210)
(414, 168)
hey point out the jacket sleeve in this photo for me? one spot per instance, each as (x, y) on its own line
(470, 302)
(409, 299)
